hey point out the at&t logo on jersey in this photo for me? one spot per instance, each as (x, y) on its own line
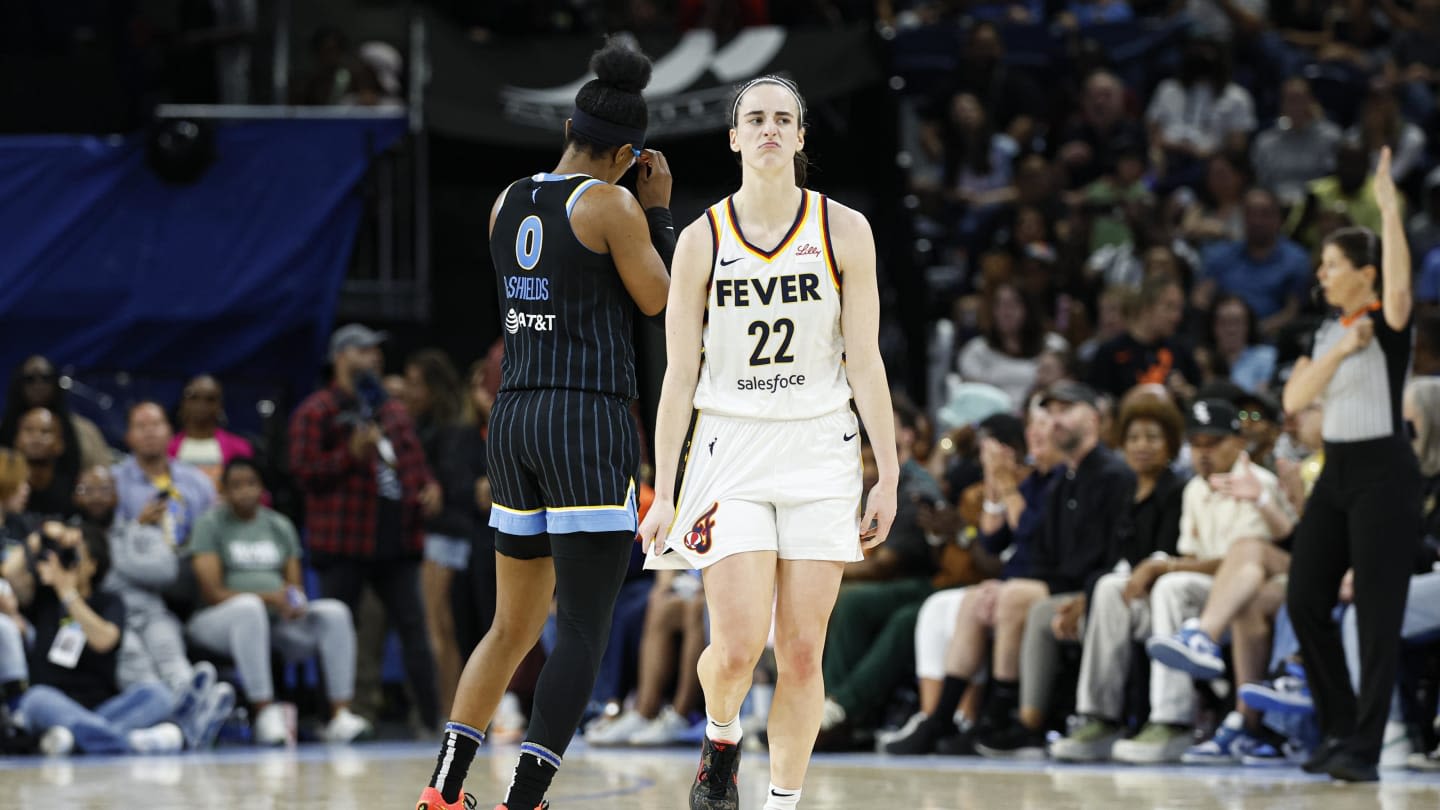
(527, 288)
(701, 537)
(770, 385)
(515, 321)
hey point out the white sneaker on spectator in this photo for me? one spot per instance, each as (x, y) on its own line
(618, 731)
(212, 710)
(345, 727)
(57, 741)
(834, 715)
(192, 698)
(269, 726)
(509, 724)
(666, 728)
(1395, 748)
(166, 738)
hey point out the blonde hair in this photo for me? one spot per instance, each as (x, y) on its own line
(14, 471)
(1425, 393)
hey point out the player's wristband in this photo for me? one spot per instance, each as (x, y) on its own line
(662, 233)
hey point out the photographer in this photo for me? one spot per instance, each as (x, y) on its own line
(73, 633)
(355, 455)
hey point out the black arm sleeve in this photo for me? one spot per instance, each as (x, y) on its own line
(662, 236)
(662, 233)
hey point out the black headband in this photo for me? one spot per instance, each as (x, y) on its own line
(604, 132)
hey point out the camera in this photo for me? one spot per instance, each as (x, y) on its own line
(68, 557)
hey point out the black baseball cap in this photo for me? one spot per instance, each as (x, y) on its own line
(1213, 417)
(1069, 391)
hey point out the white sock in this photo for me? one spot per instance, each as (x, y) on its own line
(781, 798)
(729, 731)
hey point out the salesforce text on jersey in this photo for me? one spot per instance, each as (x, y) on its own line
(770, 384)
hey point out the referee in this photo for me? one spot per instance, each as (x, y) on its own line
(1364, 513)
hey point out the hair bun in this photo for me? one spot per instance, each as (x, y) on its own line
(619, 66)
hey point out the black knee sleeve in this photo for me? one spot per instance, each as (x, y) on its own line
(523, 546)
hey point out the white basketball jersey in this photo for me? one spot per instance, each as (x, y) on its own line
(772, 342)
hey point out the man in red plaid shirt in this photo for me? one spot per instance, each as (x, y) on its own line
(367, 490)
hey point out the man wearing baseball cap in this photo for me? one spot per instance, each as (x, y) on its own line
(355, 455)
(1219, 507)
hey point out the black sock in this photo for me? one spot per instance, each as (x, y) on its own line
(456, 752)
(537, 766)
(1004, 699)
(952, 691)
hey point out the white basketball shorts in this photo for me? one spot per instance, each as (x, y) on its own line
(792, 487)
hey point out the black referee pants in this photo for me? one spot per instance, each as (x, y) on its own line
(1364, 513)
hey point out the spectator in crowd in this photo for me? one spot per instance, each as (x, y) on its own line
(1219, 216)
(1225, 20)
(474, 601)
(14, 498)
(1013, 508)
(338, 76)
(1421, 408)
(35, 384)
(355, 455)
(454, 451)
(149, 474)
(1087, 147)
(41, 441)
(869, 646)
(1382, 124)
(1148, 352)
(1423, 229)
(1261, 422)
(1350, 189)
(73, 702)
(1008, 352)
(1231, 351)
(1415, 62)
(1150, 428)
(1299, 148)
(1010, 99)
(1199, 113)
(1111, 197)
(1245, 598)
(247, 563)
(676, 609)
(202, 442)
(978, 161)
(1266, 269)
(152, 644)
(1227, 500)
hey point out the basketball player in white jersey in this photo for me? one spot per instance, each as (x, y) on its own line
(772, 328)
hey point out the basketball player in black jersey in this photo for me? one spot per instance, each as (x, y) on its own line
(574, 256)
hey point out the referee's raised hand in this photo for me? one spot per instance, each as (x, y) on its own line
(1386, 196)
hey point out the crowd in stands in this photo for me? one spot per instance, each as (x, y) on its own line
(1098, 490)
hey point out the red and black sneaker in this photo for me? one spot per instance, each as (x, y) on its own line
(717, 782)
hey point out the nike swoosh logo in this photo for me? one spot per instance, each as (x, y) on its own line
(781, 795)
(849, 436)
(728, 262)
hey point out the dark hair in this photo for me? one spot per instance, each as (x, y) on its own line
(1152, 288)
(241, 463)
(1007, 429)
(1160, 411)
(802, 161)
(1252, 324)
(1360, 246)
(137, 405)
(448, 397)
(16, 407)
(1032, 329)
(621, 72)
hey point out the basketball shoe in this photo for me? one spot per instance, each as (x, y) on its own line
(717, 782)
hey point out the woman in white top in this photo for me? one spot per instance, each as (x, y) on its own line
(1008, 353)
(771, 328)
